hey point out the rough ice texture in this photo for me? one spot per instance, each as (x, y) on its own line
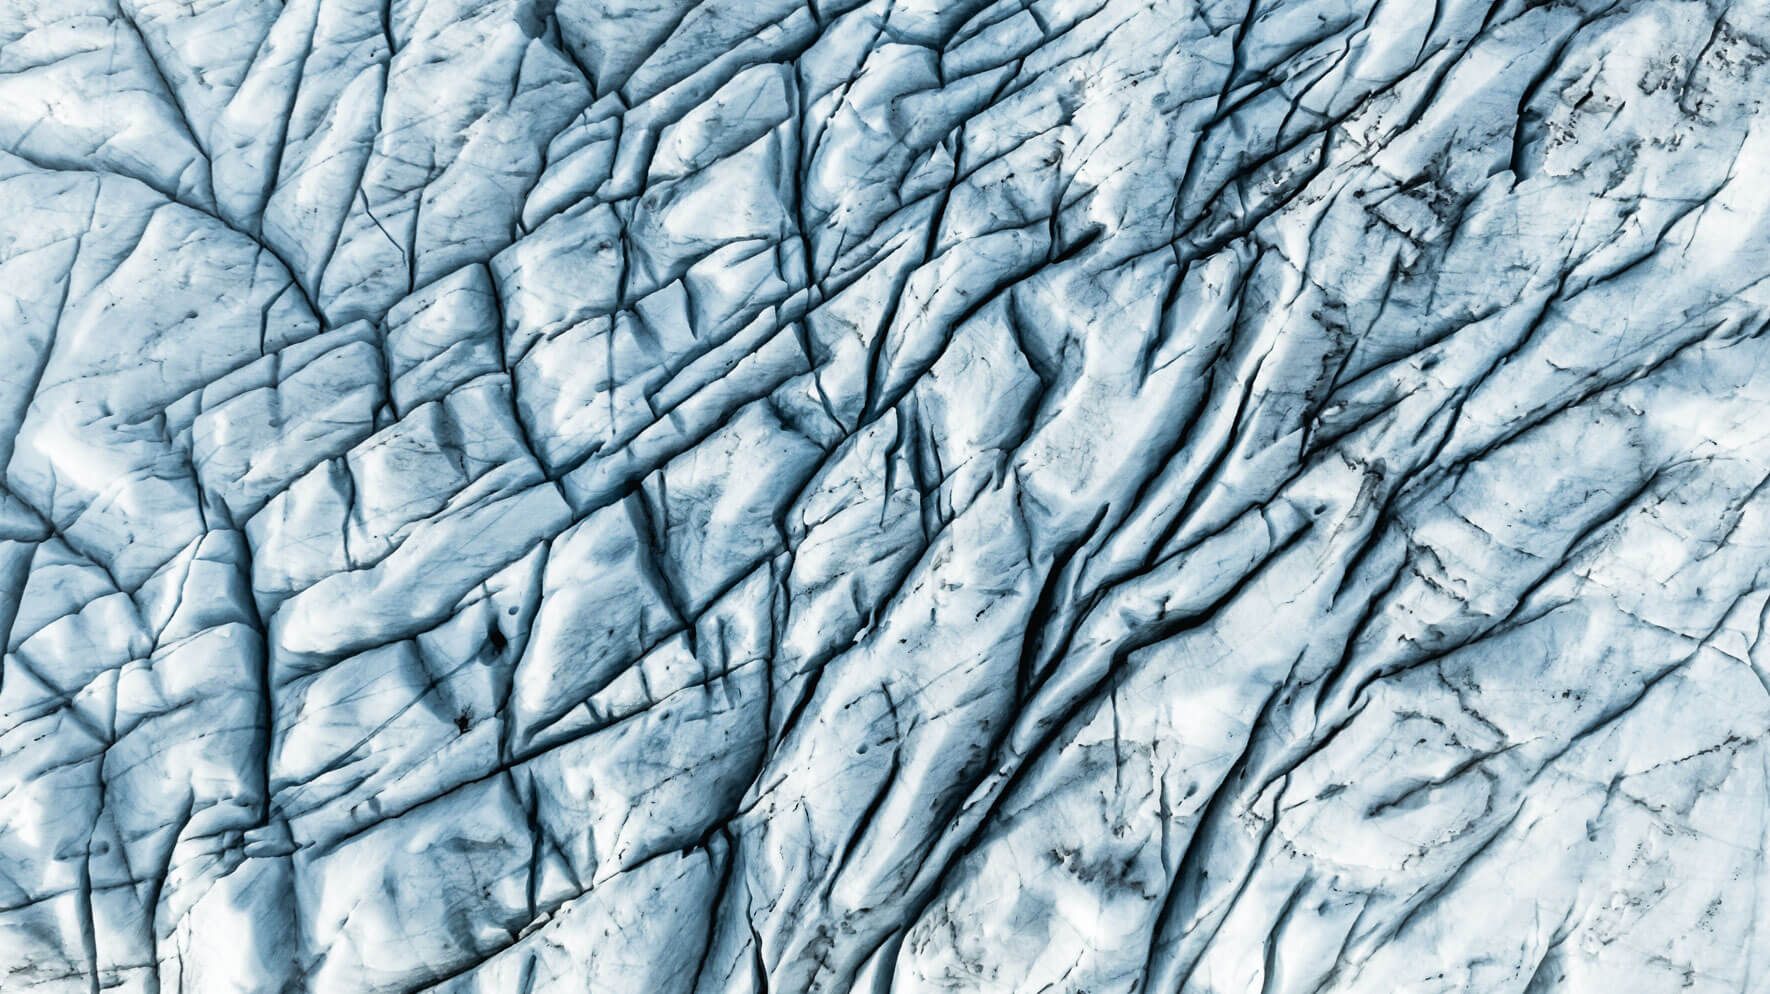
(749, 497)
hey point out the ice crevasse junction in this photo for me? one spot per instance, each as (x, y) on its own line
(762, 497)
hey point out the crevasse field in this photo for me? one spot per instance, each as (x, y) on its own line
(756, 497)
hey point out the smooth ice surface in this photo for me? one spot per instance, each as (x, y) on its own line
(764, 497)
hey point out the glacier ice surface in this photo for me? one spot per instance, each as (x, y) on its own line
(765, 497)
